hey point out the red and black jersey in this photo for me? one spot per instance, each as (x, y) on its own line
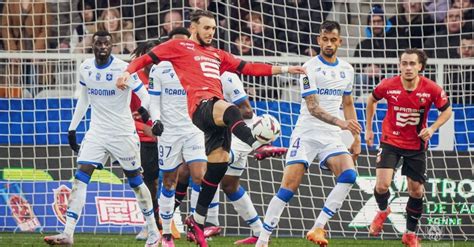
(199, 68)
(407, 111)
(135, 103)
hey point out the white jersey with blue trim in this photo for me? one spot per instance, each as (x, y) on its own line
(329, 81)
(110, 106)
(164, 82)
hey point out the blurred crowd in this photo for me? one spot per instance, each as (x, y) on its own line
(443, 28)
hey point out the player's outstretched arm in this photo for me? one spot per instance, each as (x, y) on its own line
(79, 112)
(288, 69)
(134, 66)
(427, 133)
(312, 102)
(370, 112)
(350, 113)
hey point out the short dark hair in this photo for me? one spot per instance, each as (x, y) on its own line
(179, 30)
(329, 26)
(143, 48)
(101, 33)
(422, 57)
(197, 14)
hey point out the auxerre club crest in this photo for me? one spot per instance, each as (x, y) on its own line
(61, 198)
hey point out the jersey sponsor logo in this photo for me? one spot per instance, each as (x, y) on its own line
(101, 92)
(236, 91)
(229, 80)
(329, 91)
(342, 74)
(87, 67)
(394, 97)
(404, 119)
(109, 76)
(97, 76)
(166, 71)
(207, 59)
(210, 70)
(173, 91)
(187, 45)
(423, 95)
(394, 91)
(135, 77)
(306, 83)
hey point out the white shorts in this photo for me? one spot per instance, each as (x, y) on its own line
(173, 150)
(304, 147)
(96, 149)
(238, 157)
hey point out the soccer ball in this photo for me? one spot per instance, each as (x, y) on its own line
(266, 128)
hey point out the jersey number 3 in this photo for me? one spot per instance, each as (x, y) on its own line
(210, 70)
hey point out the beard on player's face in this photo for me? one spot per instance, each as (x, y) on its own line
(201, 40)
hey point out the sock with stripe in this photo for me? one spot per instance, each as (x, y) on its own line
(166, 202)
(209, 184)
(274, 211)
(213, 211)
(244, 207)
(77, 201)
(337, 196)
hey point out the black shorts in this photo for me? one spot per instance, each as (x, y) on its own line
(216, 136)
(149, 159)
(414, 161)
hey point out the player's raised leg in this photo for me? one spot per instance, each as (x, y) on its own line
(75, 205)
(342, 166)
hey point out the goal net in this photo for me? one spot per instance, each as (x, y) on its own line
(38, 79)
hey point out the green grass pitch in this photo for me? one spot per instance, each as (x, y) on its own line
(106, 240)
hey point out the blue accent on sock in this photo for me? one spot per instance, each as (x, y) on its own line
(166, 216)
(167, 193)
(267, 227)
(348, 176)
(215, 204)
(192, 210)
(196, 187)
(72, 215)
(251, 221)
(237, 195)
(284, 194)
(82, 176)
(328, 211)
(135, 181)
(148, 213)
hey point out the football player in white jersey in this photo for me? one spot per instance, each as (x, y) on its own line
(328, 83)
(111, 131)
(181, 142)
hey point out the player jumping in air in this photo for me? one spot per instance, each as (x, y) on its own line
(234, 92)
(199, 66)
(181, 143)
(112, 131)
(327, 84)
(405, 134)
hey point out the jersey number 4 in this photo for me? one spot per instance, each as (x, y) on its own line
(210, 70)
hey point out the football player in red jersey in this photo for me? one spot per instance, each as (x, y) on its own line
(405, 134)
(199, 66)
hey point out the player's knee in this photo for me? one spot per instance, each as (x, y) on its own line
(348, 176)
(229, 187)
(169, 182)
(381, 188)
(416, 191)
(82, 176)
(232, 115)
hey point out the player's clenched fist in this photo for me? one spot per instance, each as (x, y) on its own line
(122, 81)
(157, 128)
(426, 134)
(352, 125)
(71, 136)
(369, 137)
